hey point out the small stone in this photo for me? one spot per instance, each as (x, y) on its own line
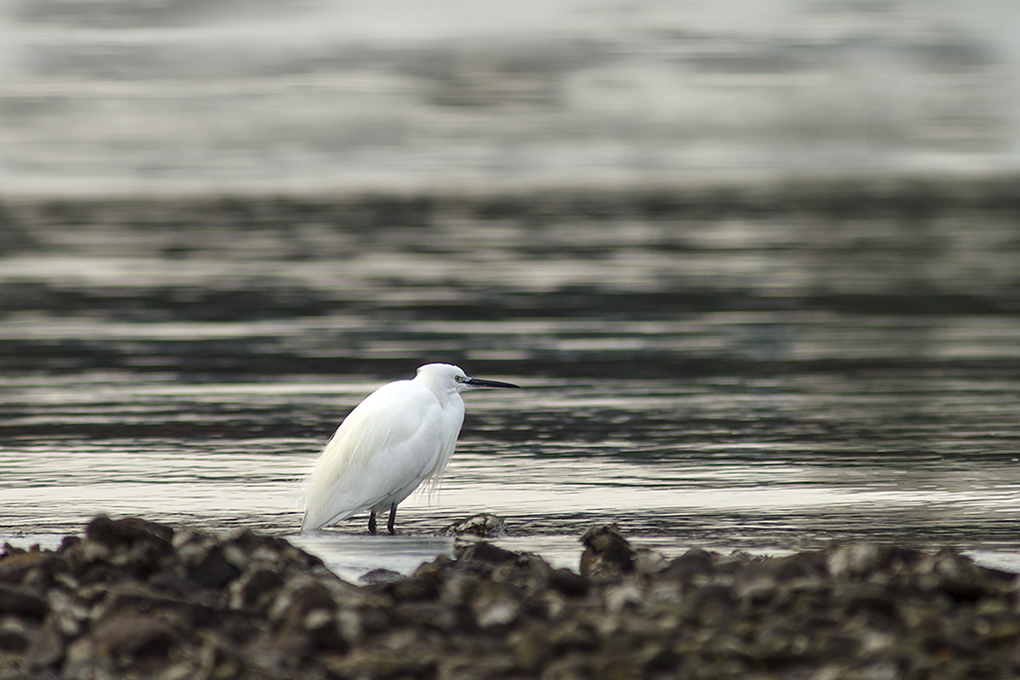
(712, 604)
(495, 604)
(293, 604)
(127, 531)
(22, 601)
(648, 561)
(67, 612)
(475, 667)
(423, 585)
(385, 663)
(859, 559)
(15, 634)
(483, 525)
(694, 562)
(575, 635)
(15, 564)
(127, 638)
(626, 594)
(254, 589)
(218, 660)
(484, 552)
(531, 648)
(47, 646)
(214, 570)
(380, 576)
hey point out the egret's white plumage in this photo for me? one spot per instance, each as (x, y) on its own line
(401, 435)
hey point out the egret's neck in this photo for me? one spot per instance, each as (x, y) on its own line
(445, 392)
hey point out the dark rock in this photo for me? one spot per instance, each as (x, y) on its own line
(126, 532)
(574, 635)
(764, 579)
(859, 559)
(67, 612)
(68, 542)
(483, 552)
(567, 582)
(133, 600)
(22, 601)
(960, 578)
(16, 564)
(382, 663)
(429, 614)
(414, 589)
(529, 573)
(214, 570)
(531, 648)
(607, 554)
(219, 659)
(128, 638)
(495, 604)
(127, 598)
(694, 562)
(711, 604)
(471, 667)
(255, 589)
(873, 601)
(47, 647)
(424, 584)
(113, 547)
(281, 653)
(648, 561)
(15, 634)
(298, 599)
(10, 552)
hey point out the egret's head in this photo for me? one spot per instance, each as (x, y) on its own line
(448, 377)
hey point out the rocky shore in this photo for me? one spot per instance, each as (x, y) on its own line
(136, 599)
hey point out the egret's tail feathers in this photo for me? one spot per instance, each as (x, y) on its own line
(317, 517)
(307, 524)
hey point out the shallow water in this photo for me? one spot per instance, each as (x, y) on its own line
(706, 374)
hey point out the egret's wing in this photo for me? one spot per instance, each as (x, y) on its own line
(387, 443)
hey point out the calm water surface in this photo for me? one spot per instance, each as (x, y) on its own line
(719, 374)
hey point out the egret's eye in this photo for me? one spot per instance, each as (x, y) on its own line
(458, 378)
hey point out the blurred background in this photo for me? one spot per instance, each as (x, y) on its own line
(165, 95)
(757, 264)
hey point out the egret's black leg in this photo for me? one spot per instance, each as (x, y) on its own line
(393, 519)
(371, 522)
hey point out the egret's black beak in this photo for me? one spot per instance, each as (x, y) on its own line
(478, 382)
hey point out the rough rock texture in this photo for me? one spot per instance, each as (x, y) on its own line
(135, 599)
(483, 525)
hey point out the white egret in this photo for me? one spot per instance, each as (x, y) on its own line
(399, 436)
